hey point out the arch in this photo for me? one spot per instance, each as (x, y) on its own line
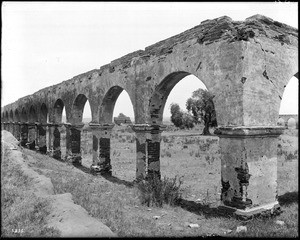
(6, 116)
(24, 116)
(58, 109)
(17, 116)
(286, 100)
(108, 104)
(44, 113)
(11, 115)
(291, 123)
(159, 98)
(32, 114)
(78, 107)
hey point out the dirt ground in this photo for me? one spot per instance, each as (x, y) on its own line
(71, 219)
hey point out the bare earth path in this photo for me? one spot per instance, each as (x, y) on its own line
(70, 219)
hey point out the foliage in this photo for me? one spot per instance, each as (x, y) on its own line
(155, 192)
(202, 108)
(179, 118)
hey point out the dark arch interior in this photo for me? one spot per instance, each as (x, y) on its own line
(32, 115)
(44, 113)
(11, 115)
(17, 115)
(24, 116)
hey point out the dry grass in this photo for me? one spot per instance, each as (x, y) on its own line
(115, 200)
(23, 214)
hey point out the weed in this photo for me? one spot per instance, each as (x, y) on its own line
(168, 154)
(197, 154)
(191, 153)
(155, 192)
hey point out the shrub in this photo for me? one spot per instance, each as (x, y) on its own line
(191, 153)
(155, 192)
(168, 154)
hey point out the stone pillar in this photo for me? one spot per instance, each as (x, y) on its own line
(31, 136)
(24, 134)
(17, 130)
(101, 156)
(148, 138)
(249, 169)
(54, 140)
(73, 136)
(96, 133)
(11, 128)
(41, 130)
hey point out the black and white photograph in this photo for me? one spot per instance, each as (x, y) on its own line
(149, 119)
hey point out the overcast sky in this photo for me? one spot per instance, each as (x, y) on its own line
(46, 43)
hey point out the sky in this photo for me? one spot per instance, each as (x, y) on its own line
(45, 43)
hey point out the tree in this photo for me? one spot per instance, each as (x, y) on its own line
(176, 115)
(202, 108)
(181, 119)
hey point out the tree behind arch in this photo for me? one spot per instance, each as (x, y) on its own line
(202, 108)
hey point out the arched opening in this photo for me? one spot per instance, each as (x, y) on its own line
(60, 117)
(58, 111)
(82, 137)
(17, 116)
(291, 123)
(78, 107)
(287, 151)
(24, 117)
(44, 114)
(33, 118)
(86, 133)
(6, 116)
(43, 140)
(117, 109)
(11, 116)
(32, 115)
(186, 152)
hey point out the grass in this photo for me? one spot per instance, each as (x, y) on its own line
(156, 192)
(23, 213)
(117, 202)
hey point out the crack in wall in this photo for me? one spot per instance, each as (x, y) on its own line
(265, 74)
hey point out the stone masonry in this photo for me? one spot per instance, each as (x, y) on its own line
(244, 64)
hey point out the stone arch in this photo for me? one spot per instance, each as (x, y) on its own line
(108, 104)
(78, 107)
(58, 109)
(6, 116)
(32, 115)
(24, 116)
(43, 113)
(291, 123)
(17, 116)
(159, 98)
(11, 115)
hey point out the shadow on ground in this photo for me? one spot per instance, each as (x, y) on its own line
(194, 207)
(288, 198)
(108, 177)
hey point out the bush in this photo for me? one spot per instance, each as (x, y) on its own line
(155, 192)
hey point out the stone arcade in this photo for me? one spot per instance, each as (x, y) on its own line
(245, 64)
